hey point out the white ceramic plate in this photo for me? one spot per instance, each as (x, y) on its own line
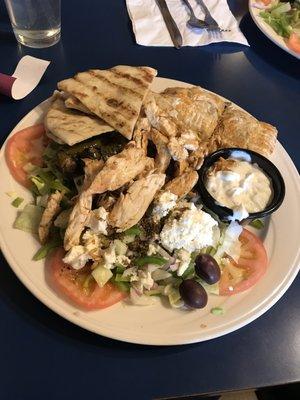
(157, 324)
(268, 31)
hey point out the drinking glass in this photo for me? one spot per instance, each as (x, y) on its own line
(36, 23)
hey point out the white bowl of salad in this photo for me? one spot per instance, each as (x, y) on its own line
(279, 21)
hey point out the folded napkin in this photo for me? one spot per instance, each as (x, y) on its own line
(150, 30)
(26, 77)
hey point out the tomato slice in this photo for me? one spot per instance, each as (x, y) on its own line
(253, 262)
(293, 42)
(266, 2)
(69, 281)
(25, 146)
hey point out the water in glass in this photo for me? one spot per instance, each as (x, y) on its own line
(36, 23)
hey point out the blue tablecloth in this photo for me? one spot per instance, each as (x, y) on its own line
(43, 356)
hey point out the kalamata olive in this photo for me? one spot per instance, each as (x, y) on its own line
(193, 294)
(207, 268)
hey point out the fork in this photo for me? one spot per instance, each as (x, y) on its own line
(194, 21)
(212, 24)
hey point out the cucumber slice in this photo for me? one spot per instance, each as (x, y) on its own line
(102, 275)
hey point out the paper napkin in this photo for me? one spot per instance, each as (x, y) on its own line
(26, 77)
(150, 30)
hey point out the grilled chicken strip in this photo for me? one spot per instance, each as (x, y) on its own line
(141, 132)
(163, 157)
(179, 111)
(91, 169)
(182, 184)
(50, 212)
(119, 169)
(131, 207)
(177, 150)
(77, 220)
(116, 172)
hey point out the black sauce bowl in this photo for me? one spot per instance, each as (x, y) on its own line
(224, 213)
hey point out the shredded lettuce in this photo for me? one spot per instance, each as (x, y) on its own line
(133, 231)
(211, 289)
(217, 311)
(283, 18)
(29, 218)
(45, 182)
(45, 250)
(17, 202)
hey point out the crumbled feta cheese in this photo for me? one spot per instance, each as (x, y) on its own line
(192, 231)
(184, 258)
(140, 279)
(132, 272)
(164, 204)
(97, 220)
(91, 243)
(123, 260)
(77, 257)
(109, 256)
(152, 249)
(144, 280)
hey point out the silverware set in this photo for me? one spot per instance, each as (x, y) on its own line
(209, 23)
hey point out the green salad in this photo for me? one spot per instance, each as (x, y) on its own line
(283, 17)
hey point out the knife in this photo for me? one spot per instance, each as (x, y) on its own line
(170, 23)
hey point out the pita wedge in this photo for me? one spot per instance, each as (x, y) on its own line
(236, 128)
(68, 126)
(75, 104)
(115, 95)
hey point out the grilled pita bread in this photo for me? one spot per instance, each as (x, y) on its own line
(236, 128)
(69, 126)
(115, 95)
(75, 104)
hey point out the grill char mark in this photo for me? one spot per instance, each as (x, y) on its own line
(98, 75)
(111, 102)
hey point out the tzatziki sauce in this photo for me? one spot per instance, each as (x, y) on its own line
(238, 184)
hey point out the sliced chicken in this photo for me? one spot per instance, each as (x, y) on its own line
(196, 158)
(116, 172)
(180, 167)
(156, 115)
(119, 169)
(49, 214)
(182, 184)
(149, 166)
(131, 207)
(163, 157)
(91, 169)
(177, 150)
(77, 220)
(141, 133)
(237, 128)
(177, 111)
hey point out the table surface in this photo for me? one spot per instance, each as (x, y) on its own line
(44, 356)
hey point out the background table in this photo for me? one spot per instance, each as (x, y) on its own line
(43, 356)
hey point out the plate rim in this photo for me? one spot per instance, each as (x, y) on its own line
(233, 324)
(268, 31)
